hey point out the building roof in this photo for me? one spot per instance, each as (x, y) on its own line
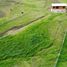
(59, 4)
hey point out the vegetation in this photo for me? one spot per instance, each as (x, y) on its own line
(21, 12)
(38, 44)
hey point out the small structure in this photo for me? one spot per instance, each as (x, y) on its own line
(59, 7)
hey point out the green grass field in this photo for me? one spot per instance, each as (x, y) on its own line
(14, 15)
(41, 43)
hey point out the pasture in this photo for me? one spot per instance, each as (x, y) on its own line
(41, 43)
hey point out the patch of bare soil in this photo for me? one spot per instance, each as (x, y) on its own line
(2, 14)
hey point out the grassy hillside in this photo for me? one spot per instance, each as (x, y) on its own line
(41, 43)
(21, 12)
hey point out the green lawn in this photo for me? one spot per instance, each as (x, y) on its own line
(34, 46)
(62, 61)
(39, 44)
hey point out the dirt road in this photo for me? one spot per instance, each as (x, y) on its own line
(20, 26)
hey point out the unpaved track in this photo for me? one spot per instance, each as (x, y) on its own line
(20, 26)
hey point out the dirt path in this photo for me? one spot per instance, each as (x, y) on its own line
(20, 26)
